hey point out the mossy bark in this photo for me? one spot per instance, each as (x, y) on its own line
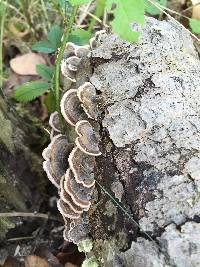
(17, 166)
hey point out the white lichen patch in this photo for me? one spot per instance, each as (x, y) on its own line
(193, 168)
(152, 95)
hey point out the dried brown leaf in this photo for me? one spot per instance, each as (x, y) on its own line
(68, 264)
(35, 261)
(26, 64)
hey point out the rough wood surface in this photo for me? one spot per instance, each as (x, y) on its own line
(19, 167)
(150, 143)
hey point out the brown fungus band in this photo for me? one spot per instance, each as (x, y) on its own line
(70, 167)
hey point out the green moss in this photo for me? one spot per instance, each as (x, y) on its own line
(6, 132)
(90, 262)
(85, 246)
(5, 225)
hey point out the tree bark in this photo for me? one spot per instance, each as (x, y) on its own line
(150, 149)
(20, 168)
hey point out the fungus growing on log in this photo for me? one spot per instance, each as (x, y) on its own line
(80, 194)
(87, 140)
(71, 107)
(66, 210)
(82, 166)
(56, 155)
(65, 197)
(72, 58)
(89, 99)
(76, 177)
(54, 121)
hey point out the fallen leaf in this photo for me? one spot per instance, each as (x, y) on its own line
(11, 262)
(44, 253)
(26, 64)
(68, 264)
(196, 9)
(35, 261)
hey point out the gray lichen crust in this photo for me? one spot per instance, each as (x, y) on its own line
(152, 99)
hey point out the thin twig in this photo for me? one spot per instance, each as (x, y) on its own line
(98, 13)
(28, 214)
(169, 16)
(83, 15)
(93, 16)
(59, 59)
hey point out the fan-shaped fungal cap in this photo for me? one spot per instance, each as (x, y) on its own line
(66, 211)
(94, 40)
(54, 121)
(71, 107)
(78, 233)
(81, 51)
(87, 141)
(73, 62)
(65, 197)
(69, 50)
(76, 230)
(69, 74)
(80, 195)
(90, 101)
(56, 155)
(82, 166)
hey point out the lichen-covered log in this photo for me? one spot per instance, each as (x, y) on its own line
(150, 148)
(20, 168)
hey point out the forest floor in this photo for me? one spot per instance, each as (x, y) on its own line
(39, 240)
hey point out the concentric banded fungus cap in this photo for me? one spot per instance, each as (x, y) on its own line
(81, 51)
(76, 230)
(71, 107)
(56, 155)
(90, 101)
(69, 50)
(78, 233)
(87, 140)
(69, 74)
(80, 195)
(73, 63)
(66, 211)
(54, 121)
(65, 197)
(82, 166)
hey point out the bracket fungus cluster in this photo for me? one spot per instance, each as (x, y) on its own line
(71, 166)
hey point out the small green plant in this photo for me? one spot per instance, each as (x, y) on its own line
(152, 10)
(31, 90)
(52, 43)
(195, 25)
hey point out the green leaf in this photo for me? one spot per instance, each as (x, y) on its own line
(31, 90)
(54, 36)
(79, 37)
(50, 102)
(128, 18)
(78, 2)
(46, 72)
(195, 25)
(44, 47)
(153, 10)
